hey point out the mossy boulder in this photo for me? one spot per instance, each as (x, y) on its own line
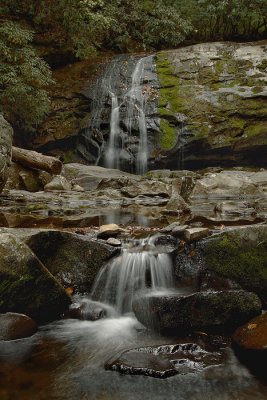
(73, 259)
(212, 104)
(216, 311)
(26, 286)
(240, 255)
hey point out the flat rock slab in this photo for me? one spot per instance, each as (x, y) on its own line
(164, 361)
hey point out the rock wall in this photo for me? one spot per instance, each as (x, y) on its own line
(213, 105)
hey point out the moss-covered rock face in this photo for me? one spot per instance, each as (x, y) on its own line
(240, 255)
(212, 98)
(26, 286)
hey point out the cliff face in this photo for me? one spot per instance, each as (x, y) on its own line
(213, 104)
(205, 106)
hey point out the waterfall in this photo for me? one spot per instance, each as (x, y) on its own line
(142, 265)
(111, 159)
(117, 136)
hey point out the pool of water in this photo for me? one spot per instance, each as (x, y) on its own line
(65, 361)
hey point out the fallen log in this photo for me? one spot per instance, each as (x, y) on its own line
(32, 159)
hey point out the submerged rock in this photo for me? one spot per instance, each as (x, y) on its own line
(26, 286)
(16, 326)
(210, 311)
(164, 361)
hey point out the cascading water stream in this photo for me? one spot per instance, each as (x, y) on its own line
(111, 159)
(144, 266)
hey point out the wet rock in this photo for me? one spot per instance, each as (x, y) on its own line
(26, 286)
(164, 361)
(147, 188)
(194, 234)
(16, 326)
(6, 136)
(209, 311)
(86, 310)
(114, 242)
(21, 178)
(109, 230)
(250, 344)
(253, 335)
(235, 208)
(58, 183)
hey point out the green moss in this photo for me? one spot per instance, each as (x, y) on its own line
(69, 157)
(254, 130)
(168, 135)
(240, 260)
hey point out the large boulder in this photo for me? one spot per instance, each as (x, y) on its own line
(26, 286)
(209, 311)
(73, 259)
(6, 135)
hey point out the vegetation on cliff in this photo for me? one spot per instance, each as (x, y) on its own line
(80, 27)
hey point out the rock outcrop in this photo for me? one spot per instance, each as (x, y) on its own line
(213, 105)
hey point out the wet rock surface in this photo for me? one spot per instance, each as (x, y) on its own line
(164, 361)
(210, 311)
(16, 326)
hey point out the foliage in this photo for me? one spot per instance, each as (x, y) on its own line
(23, 77)
(149, 23)
(225, 19)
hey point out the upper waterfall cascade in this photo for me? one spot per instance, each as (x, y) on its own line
(119, 124)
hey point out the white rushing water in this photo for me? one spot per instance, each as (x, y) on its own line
(140, 266)
(134, 100)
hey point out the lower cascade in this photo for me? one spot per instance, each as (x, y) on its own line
(142, 265)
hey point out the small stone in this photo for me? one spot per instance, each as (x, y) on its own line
(253, 335)
(194, 234)
(114, 242)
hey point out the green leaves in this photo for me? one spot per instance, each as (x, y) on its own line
(23, 77)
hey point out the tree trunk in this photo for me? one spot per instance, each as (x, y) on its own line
(32, 159)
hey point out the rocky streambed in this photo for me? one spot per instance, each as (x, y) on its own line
(210, 224)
